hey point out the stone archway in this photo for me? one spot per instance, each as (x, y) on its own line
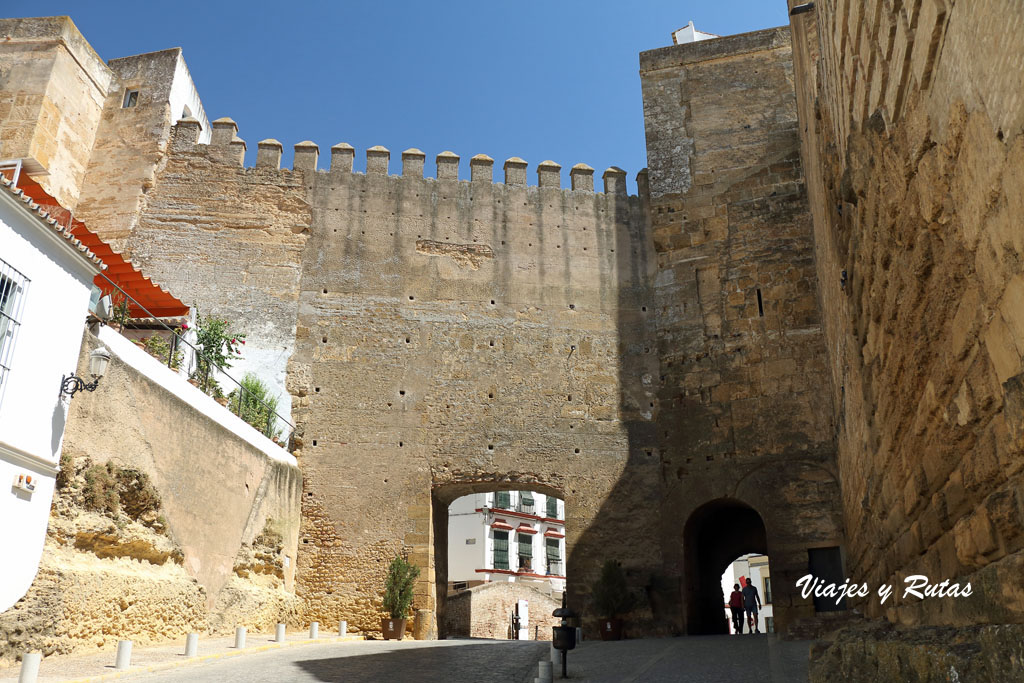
(716, 534)
(442, 496)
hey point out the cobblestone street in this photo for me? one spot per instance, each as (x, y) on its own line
(707, 659)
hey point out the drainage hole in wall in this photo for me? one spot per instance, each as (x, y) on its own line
(490, 395)
(575, 450)
(643, 308)
(572, 307)
(401, 444)
(412, 298)
(490, 446)
(401, 392)
(492, 302)
(317, 389)
(314, 442)
(491, 342)
(569, 397)
(325, 291)
(407, 341)
(325, 340)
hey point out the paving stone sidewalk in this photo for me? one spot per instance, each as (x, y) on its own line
(100, 666)
(693, 659)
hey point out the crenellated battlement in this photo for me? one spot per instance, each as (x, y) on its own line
(226, 146)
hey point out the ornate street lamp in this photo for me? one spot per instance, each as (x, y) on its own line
(98, 360)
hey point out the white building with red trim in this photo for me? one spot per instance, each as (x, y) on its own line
(507, 536)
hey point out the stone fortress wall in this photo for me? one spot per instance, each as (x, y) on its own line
(743, 389)
(443, 345)
(914, 152)
(802, 335)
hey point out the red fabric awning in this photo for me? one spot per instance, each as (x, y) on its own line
(551, 533)
(524, 529)
(499, 524)
(157, 300)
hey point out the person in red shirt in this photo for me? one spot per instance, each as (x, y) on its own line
(736, 607)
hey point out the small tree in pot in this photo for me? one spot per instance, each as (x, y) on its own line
(398, 587)
(611, 598)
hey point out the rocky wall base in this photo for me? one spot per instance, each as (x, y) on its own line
(110, 571)
(875, 652)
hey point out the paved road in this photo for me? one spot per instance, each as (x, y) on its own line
(457, 661)
(704, 659)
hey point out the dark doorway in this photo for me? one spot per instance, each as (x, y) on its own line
(716, 534)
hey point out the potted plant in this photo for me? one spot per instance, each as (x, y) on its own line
(398, 588)
(611, 598)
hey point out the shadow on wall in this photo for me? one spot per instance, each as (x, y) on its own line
(623, 525)
(716, 533)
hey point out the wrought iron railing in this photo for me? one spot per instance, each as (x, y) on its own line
(274, 418)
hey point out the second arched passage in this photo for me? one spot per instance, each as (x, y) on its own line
(716, 534)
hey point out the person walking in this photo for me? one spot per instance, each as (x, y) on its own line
(751, 604)
(736, 607)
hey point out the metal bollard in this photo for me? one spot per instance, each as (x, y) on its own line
(124, 654)
(579, 634)
(314, 630)
(343, 628)
(240, 637)
(544, 671)
(30, 667)
(191, 644)
(279, 635)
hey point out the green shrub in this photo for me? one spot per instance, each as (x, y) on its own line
(219, 344)
(256, 405)
(610, 593)
(138, 498)
(112, 490)
(157, 347)
(100, 490)
(398, 587)
(66, 473)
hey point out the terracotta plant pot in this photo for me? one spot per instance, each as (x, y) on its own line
(611, 629)
(222, 401)
(194, 382)
(393, 629)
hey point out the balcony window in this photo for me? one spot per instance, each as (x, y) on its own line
(500, 550)
(554, 556)
(552, 510)
(503, 500)
(526, 552)
(526, 503)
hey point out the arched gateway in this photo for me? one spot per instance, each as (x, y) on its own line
(641, 356)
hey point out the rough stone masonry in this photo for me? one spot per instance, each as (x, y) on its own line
(803, 337)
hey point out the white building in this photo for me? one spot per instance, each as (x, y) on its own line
(46, 276)
(507, 536)
(689, 34)
(754, 567)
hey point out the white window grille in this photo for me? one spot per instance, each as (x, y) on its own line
(13, 286)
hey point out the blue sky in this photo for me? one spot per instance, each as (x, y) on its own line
(539, 80)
